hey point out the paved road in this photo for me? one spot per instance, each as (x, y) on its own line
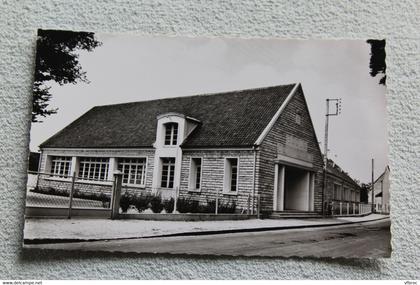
(370, 239)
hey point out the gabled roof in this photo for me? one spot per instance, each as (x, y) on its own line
(387, 169)
(334, 169)
(229, 119)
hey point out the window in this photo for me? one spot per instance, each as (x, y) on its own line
(337, 192)
(195, 174)
(60, 165)
(298, 118)
(231, 175)
(168, 172)
(171, 133)
(133, 169)
(346, 194)
(93, 168)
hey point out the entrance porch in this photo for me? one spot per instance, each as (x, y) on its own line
(293, 188)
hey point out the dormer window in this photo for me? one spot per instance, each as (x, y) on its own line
(171, 133)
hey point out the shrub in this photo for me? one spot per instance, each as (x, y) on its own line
(182, 205)
(186, 205)
(168, 205)
(104, 198)
(77, 193)
(156, 204)
(209, 207)
(227, 208)
(50, 191)
(125, 202)
(195, 206)
(61, 192)
(141, 202)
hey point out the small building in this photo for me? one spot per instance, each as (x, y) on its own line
(237, 145)
(381, 192)
(342, 190)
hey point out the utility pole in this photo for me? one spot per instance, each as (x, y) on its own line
(327, 115)
(373, 188)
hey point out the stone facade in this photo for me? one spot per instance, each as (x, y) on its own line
(93, 186)
(213, 165)
(345, 188)
(65, 185)
(268, 150)
(256, 165)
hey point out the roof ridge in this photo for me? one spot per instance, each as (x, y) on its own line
(340, 170)
(197, 95)
(134, 123)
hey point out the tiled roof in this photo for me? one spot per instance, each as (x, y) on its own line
(334, 169)
(229, 119)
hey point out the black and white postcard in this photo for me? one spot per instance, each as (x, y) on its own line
(208, 146)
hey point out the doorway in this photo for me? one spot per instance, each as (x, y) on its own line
(294, 189)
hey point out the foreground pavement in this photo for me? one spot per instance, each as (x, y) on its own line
(358, 240)
(82, 229)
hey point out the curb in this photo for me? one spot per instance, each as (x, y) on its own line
(200, 233)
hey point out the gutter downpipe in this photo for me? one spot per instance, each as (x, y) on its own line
(254, 149)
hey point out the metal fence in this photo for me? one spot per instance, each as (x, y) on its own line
(45, 190)
(340, 208)
(214, 205)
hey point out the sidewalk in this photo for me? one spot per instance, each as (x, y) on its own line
(80, 229)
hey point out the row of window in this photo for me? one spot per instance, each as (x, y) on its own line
(96, 168)
(134, 170)
(345, 194)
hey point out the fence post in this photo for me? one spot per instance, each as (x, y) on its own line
(258, 206)
(175, 200)
(37, 180)
(116, 194)
(73, 178)
(341, 208)
(248, 204)
(348, 208)
(332, 208)
(354, 208)
(216, 211)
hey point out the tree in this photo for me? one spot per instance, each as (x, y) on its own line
(57, 60)
(377, 63)
(364, 193)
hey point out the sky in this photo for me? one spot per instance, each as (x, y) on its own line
(127, 68)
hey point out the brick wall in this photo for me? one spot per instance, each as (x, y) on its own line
(267, 154)
(213, 164)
